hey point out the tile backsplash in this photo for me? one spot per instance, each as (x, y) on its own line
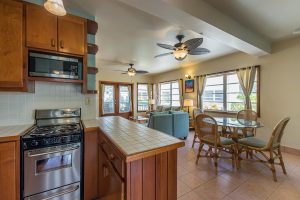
(18, 108)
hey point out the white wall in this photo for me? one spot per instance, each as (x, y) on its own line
(280, 82)
(109, 75)
(18, 108)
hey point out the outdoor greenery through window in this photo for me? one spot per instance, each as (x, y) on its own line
(143, 99)
(223, 92)
(169, 94)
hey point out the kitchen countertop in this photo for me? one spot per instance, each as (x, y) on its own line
(134, 140)
(8, 133)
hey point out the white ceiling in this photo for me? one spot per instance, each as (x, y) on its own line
(275, 19)
(128, 35)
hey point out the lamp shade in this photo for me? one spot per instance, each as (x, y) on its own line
(188, 102)
(151, 101)
(55, 7)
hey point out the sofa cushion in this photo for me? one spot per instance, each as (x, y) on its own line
(159, 108)
(176, 108)
(166, 108)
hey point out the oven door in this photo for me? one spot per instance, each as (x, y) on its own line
(49, 168)
(69, 192)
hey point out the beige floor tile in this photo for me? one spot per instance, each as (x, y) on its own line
(182, 188)
(192, 180)
(252, 182)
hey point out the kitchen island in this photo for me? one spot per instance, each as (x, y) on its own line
(132, 161)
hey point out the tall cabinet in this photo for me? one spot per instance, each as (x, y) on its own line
(12, 40)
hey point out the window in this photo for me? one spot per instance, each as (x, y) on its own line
(143, 99)
(169, 94)
(223, 92)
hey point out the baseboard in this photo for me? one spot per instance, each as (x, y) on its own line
(290, 150)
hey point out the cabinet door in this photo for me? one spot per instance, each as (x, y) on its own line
(41, 28)
(11, 44)
(91, 162)
(9, 171)
(71, 35)
(111, 186)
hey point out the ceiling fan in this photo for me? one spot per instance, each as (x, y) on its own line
(181, 49)
(132, 71)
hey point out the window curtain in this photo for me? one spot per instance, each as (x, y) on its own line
(201, 81)
(157, 93)
(130, 100)
(180, 83)
(101, 98)
(149, 89)
(246, 79)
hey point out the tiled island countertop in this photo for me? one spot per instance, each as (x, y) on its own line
(134, 140)
(8, 133)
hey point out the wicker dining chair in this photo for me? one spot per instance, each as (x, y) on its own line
(196, 112)
(260, 146)
(246, 115)
(207, 130)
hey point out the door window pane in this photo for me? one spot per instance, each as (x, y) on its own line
(124, 99)
(143, 99)
(108, 99)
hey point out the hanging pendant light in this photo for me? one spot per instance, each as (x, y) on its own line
(55, 7)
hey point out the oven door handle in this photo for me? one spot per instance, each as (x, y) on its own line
(29, 154)
(66, 191)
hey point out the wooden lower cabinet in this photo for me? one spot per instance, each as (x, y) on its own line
(149, 178)
(10, 170)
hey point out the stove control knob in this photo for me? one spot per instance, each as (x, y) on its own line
(34, 143)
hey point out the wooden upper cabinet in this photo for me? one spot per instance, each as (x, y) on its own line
(41, 28)
(72, 35)
(11, 44)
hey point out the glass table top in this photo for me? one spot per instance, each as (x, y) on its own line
(235, 123)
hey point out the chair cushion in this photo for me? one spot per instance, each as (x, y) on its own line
(223, 141)
(176, 108)
(255, 142)
(252, 142)
(226, 141)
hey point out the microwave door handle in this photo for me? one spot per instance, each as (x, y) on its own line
(66, 191)
(52, 152)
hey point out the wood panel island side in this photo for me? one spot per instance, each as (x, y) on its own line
(126, 160)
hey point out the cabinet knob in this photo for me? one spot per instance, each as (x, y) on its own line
(111, 156)
(52, 42)
(61, 44)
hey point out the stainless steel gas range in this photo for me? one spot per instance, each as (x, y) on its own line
(52, 156)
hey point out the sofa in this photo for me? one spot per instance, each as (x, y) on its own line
(175, 123)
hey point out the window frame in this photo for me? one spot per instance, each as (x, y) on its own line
(225, 74)
(170, 82)
(137, 96)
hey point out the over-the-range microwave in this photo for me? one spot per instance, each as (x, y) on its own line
(54, 66)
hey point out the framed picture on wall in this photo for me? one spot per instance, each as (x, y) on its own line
(189, 86)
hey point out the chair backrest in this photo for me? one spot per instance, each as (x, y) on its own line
(278, 132)
(247, 115)
(196, 112)
(206, 127)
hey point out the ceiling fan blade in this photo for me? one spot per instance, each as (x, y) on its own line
(141, 72)
(193, 43)
(199, 51)
(166, 46)
(117, 70)
(124, 73)
(163, 54)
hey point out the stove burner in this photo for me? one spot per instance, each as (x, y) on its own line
(48, 131)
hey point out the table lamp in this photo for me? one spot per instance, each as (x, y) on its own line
(188, 103)
(151, 103)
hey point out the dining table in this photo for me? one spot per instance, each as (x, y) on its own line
(236, 124)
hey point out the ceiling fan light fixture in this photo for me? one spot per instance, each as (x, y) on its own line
(55, 7)
(180, 54)
(131, 72)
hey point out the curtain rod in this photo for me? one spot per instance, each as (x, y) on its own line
(227, 71)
